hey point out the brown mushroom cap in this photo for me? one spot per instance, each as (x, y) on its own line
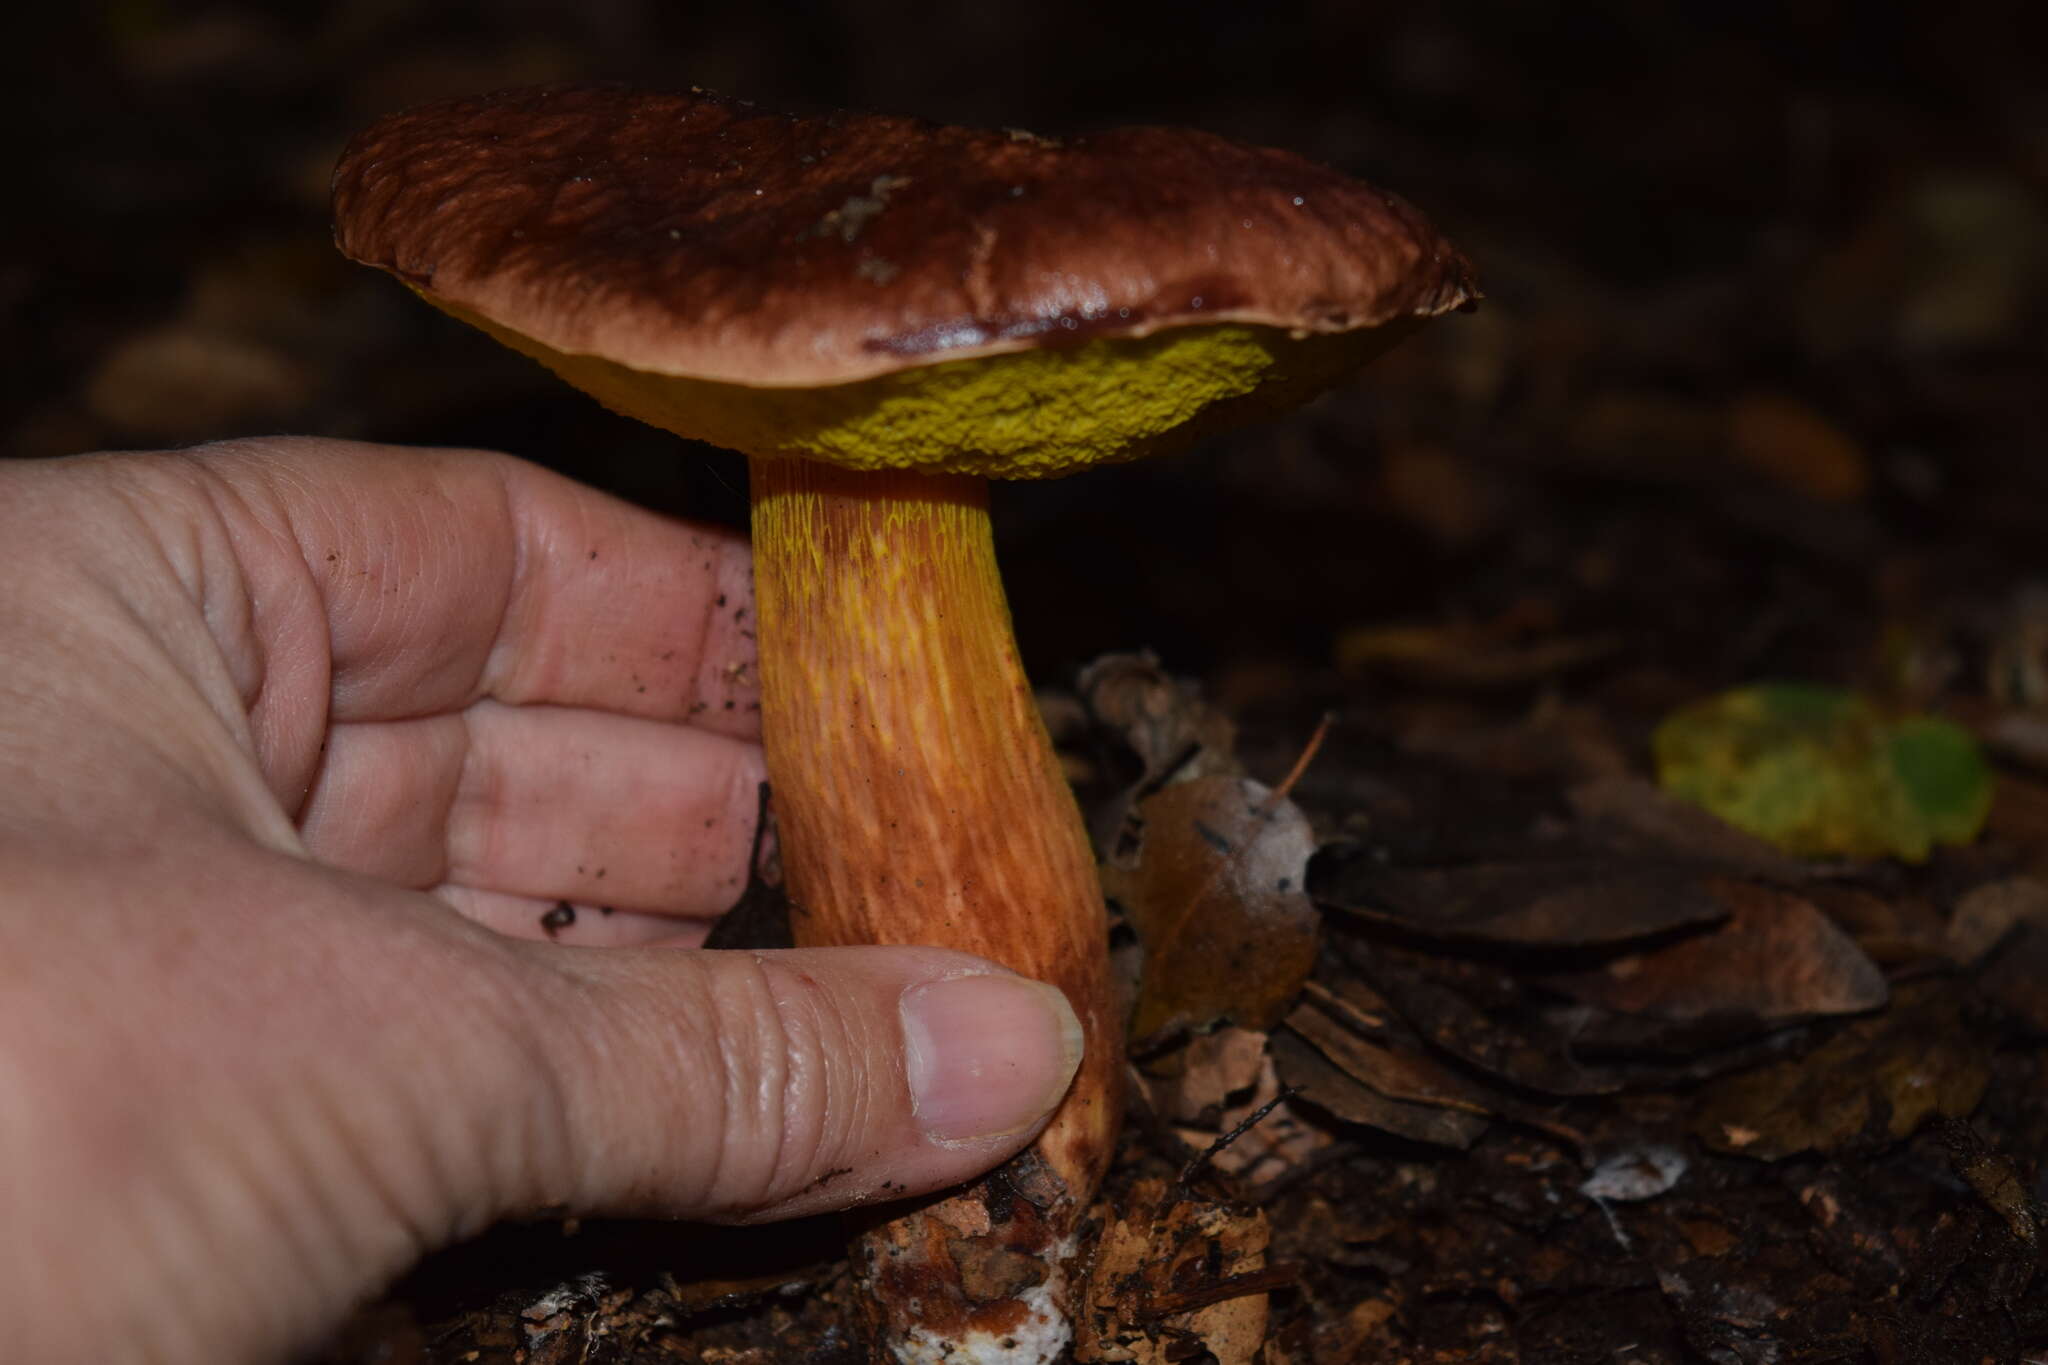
(697, 236)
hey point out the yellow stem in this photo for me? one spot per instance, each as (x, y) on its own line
(917, 795)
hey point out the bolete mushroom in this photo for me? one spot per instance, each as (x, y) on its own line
(883, 314)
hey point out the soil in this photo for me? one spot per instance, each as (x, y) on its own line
(1756, 395)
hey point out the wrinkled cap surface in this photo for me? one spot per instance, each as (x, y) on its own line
(692, 235)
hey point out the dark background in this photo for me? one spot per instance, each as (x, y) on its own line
(1677, 209)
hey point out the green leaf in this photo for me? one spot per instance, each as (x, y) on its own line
(1821, 772)
(1945, 776)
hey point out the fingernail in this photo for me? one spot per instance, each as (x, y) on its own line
(987, 1055)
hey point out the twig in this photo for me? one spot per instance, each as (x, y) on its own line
(1308, 756)
(1166, 774)
(1264, 1281)
(1243, 1126)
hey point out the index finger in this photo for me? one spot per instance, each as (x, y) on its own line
(450, 576)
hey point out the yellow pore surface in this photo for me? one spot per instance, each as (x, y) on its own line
(1028, 414)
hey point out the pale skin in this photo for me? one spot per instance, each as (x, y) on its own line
(300, 742)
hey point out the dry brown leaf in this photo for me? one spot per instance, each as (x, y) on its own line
(1214, 1070)
(1997, 1180)
(1453, 1007)
(2016, 976)
(1777, 959)
(1790, 443)
(186, 381)
(1633, 816)
(1898, 928)
(1986, 914)
(1875, 1082)
(1369, 1331)
(1269, 1148)
(1562, 902)
(1164, 720)
(1398, 1074)
(1466, 655)
(1647, 435)
(1175, 1276)
(2019, 820)
(1449, 497)
(1216, 898)
(1553, 740)
(1354, 1003)
(1330, 1088)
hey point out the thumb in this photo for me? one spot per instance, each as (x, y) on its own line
(241, 1090)
(747, 1086)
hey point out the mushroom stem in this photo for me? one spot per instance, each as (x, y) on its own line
(920, 802)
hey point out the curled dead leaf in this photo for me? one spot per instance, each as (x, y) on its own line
(1163, 719)
(1399, 1074)
(1777, 959)
(1336, 1091)
(1215, 896)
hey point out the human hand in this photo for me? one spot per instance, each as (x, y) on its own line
(268, 711)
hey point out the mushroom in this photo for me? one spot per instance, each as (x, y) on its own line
(883, 314)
